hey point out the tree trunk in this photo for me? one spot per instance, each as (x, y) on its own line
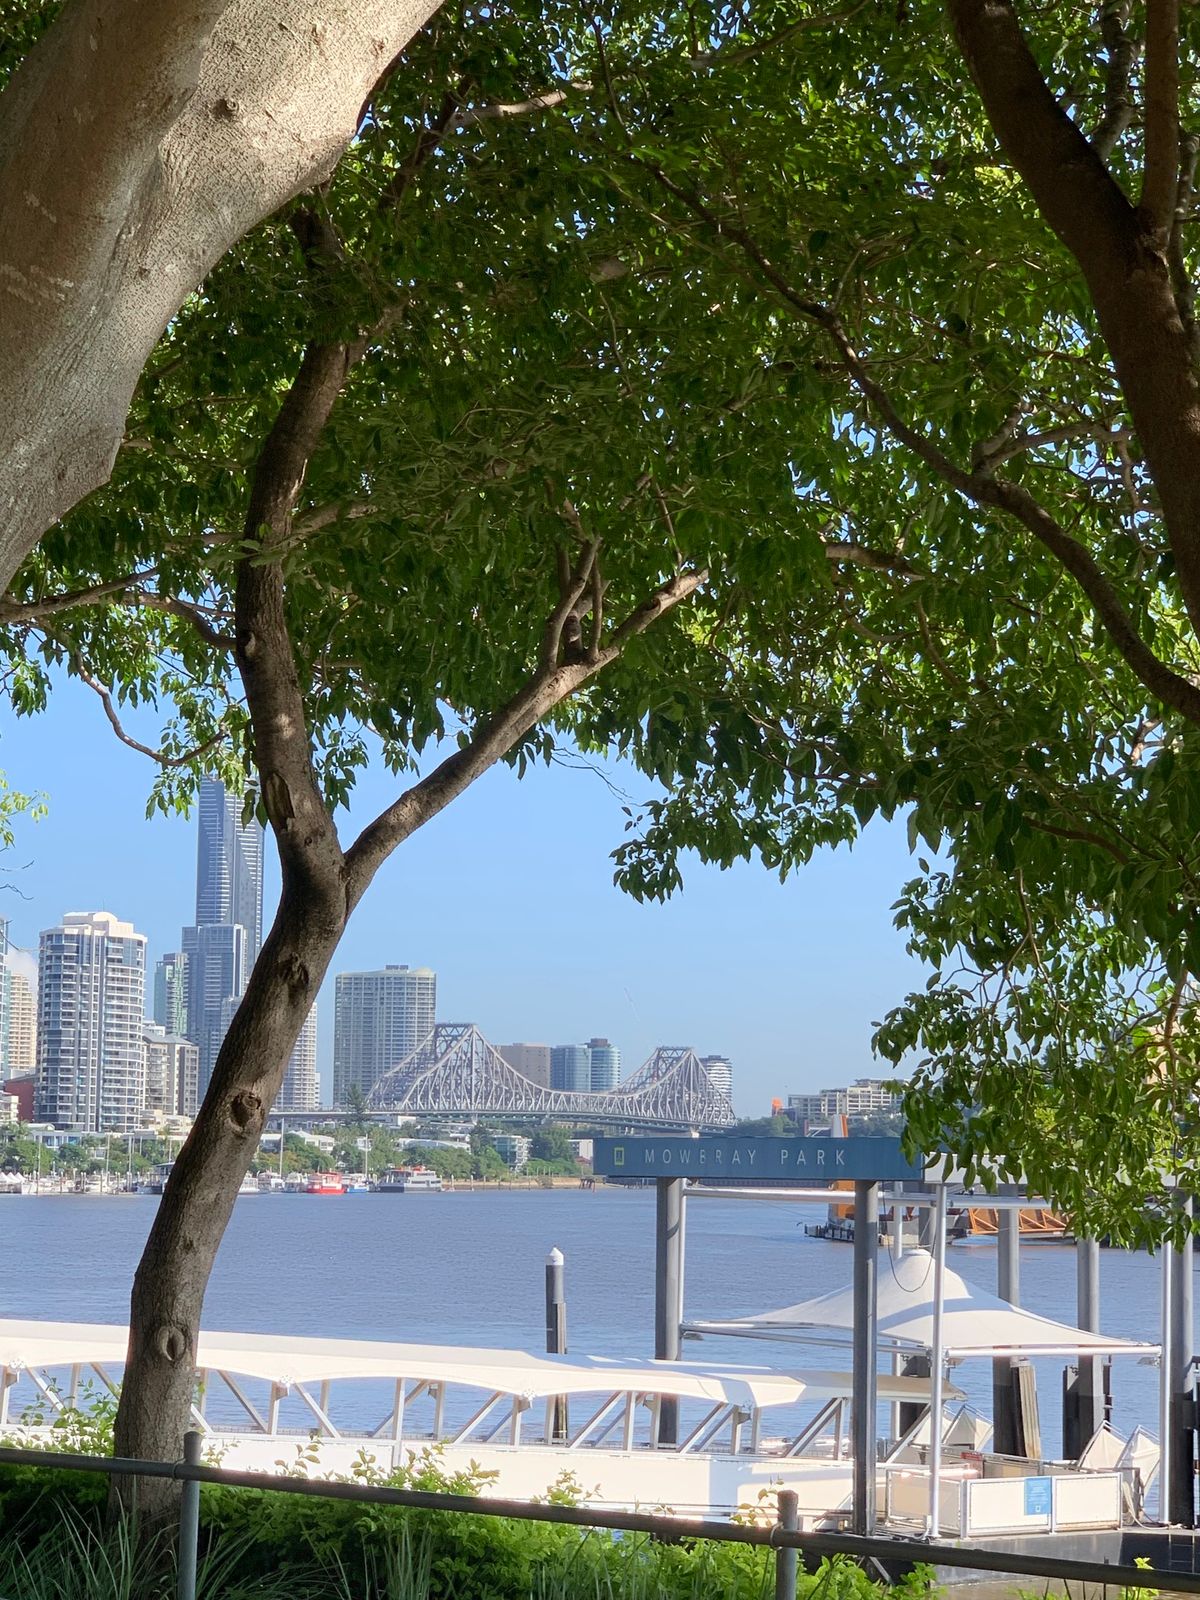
(168, 1290)
(138, 142)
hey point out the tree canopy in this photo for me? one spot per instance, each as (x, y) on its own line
(803, 404)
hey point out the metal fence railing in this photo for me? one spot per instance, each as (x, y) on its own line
(781, 1536)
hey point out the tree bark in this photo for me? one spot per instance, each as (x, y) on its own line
(138, 142)
(172, 1276)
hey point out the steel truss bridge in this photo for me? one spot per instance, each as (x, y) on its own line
(457, 1072)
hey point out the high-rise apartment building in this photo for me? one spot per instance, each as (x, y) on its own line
(172, 1072)
(91, 1001)
(17, 1027)
(532, 1061)
(864, 1097)
(229, 862)
(571, 1067)
(720, 1074)
(605, 1065)
(22, 1025)
(379, 1018)
(300, 1090)
(217, 970)
(170, 992)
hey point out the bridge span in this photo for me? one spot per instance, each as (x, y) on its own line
(456, 1071)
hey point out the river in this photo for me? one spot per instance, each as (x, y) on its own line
(468, 1268)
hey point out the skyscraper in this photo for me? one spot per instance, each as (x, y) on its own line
(5, 999)
(229, 858)
(91, 1000)
(571, 1067)
(379, 1018)
(300, 1091)
(532, 1061)
(216, 979)
(17, 1029)
(606, 1065)
(222, 947)
(720, 1074)
(170, 992)
(22, 1025)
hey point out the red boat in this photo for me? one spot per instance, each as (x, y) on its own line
(325, 1183)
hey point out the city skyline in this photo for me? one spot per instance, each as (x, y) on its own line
(784, 979)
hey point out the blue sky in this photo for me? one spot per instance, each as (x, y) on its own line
(508, 895)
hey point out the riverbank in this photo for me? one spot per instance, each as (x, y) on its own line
(66, 1187)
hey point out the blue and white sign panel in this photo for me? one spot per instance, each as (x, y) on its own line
(1039, 1497)
(770, 1159)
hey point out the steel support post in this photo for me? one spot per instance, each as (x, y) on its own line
(787, 1559)
(937, 1366)
(865, 1374)
(668, 1292)
(556, 1334)
(1181, 1505)
(189, 1524)
(1005, 1440)
(1090, 1383)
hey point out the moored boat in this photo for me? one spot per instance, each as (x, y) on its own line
(325, 1183)
(409, 1180)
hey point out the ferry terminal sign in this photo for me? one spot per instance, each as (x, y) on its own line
(768, 1159)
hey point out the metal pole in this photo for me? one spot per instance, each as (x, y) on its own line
(556, 1333)
(1164, 1392)
(937, 1362)
(1008, 1286)
(787, 1559)
(668, 1292)
(1181, 1508)
(865, 1368)
(189, 1522)
(1087, 1315)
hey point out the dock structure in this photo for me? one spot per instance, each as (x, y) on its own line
(331, 1407)
(960, 1495)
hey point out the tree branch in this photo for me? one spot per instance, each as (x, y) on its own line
(12, 610)
(321, 517)
(573, 584)
(501, 110)
(1122, 54)
(119, 591)
(1160, 167)
(1181, 281)
(104, 694)
(173, 606)
(427, 142)
(1121, 258)
(307, 839)
(1169, 686)
(859, 555)
(547, 688)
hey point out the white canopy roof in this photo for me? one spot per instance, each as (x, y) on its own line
(974, 1322)
(288, 1360)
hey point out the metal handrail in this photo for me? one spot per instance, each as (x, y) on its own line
(775, 1535)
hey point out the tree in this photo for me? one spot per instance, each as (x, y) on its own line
(1003, 483)
(770, 318)
(551, 1142)
(356, 480)
(136, 145)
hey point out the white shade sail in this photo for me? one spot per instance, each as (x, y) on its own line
(975, 1323)
(287, 1360)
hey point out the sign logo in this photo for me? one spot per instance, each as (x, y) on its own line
(618, 1155)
